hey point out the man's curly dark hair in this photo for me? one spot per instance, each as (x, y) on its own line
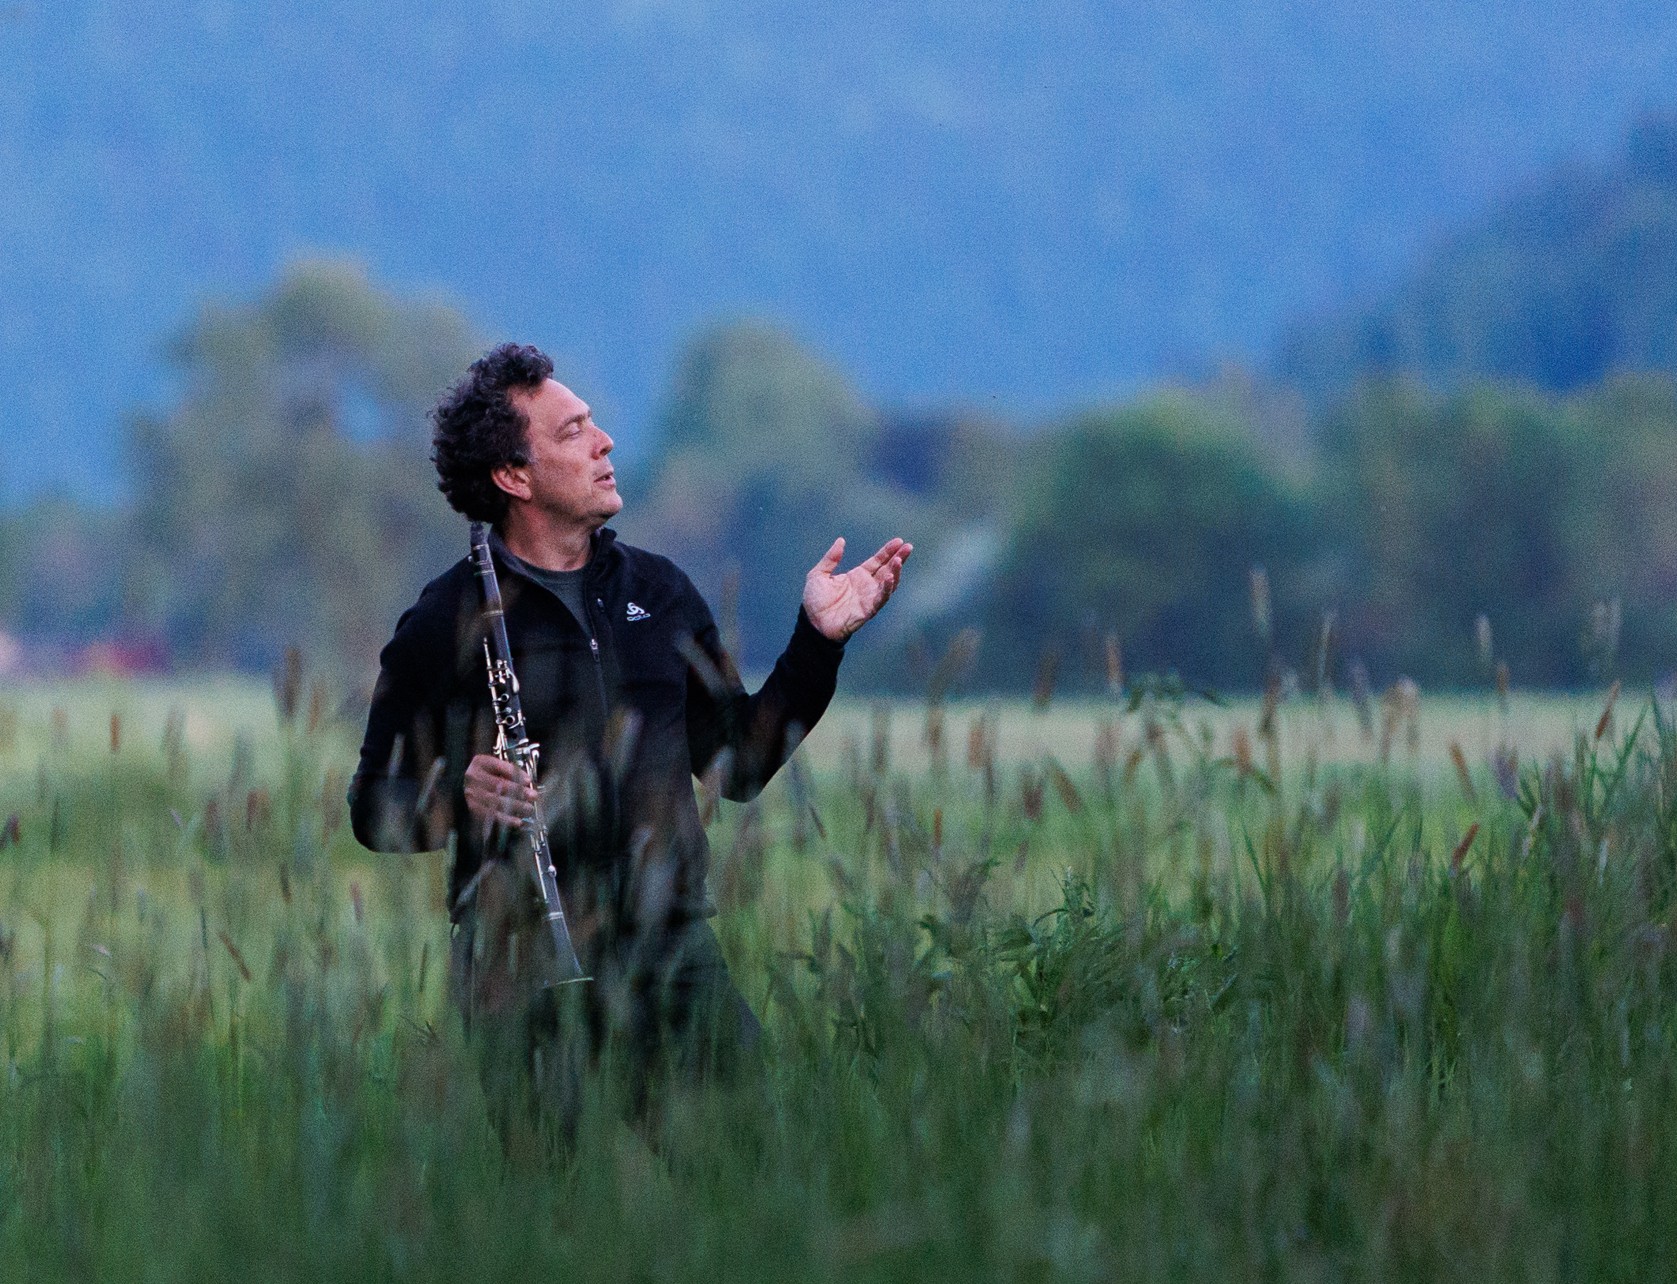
(477, 428)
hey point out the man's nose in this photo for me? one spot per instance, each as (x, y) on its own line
(605, 443)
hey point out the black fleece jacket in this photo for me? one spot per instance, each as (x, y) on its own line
(627, 710)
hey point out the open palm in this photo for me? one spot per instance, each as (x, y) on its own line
(839, 604)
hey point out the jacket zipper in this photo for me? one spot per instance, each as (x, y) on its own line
(599, 670)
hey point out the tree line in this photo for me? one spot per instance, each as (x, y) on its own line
(1567, 280)
(285, 498)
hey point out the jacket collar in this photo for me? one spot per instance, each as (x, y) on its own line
(603, 554)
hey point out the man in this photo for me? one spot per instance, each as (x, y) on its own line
(626, 687)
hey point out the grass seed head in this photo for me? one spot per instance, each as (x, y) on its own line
(258, 809)
(1606, 719)
(1106, 750)
(1460, 853)
(288, 684)
(1271, 703)
(317, 706)
(1262, 621)
(1324, 653)
(214, 837)
(1463, 775)
(931, 734)
(881, 729)
(1133, 761)
(174, 744)
(953, 665)
(1410, 693)
(980, 749)
(1242, 750)
(1601, 638)
(1047, 671)
(1362, 698)
(1505, 766)
(334, 801)
(1400, 707)
(1064, 786)
(1030, 793)
(237, 957)
(1114, 667)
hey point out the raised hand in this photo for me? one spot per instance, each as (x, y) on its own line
(839, 604)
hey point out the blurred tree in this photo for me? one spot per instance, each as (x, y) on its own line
(963, 472)
(1564, 285)
(61, 568)
(1449, 508)
(1146, 522)
(963, 465)
(1622, 530)
(763, 457)
(288, 496)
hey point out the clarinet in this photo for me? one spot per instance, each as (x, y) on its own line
(513, 744)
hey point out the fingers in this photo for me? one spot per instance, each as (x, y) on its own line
(894, 550)
(885, 580)
(890, 571)
(488, 765)
(501, 809)
(885, 554)
(830, 559)
(497, 792)
(888, 580)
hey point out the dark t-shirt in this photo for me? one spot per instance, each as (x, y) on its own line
(564, 585)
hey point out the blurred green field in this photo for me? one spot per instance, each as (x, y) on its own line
(1083, 993)
(217, 712)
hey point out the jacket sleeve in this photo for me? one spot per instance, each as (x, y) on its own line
(403, 794)
(759, 732)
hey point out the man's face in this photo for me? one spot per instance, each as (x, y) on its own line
(569, 476)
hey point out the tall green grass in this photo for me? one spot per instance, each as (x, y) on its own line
(1175, 1010)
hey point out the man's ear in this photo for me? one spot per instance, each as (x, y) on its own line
(514, 479)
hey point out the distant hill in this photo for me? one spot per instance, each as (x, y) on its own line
(1010, 208)
(1573, 279)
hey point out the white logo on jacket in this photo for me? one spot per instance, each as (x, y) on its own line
(638, 613)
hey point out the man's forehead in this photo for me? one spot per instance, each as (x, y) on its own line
(552, 400)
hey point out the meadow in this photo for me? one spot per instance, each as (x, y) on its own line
(1141, 989)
